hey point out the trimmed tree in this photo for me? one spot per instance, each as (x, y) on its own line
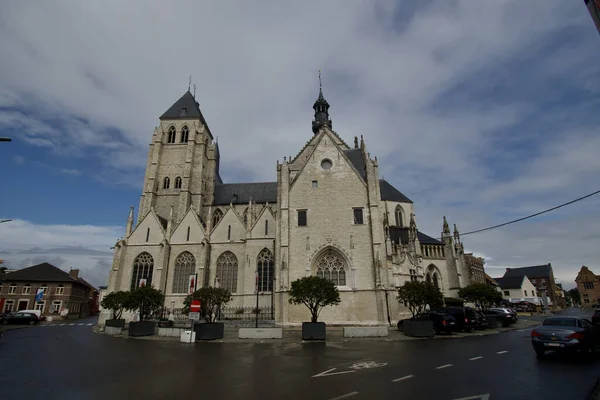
(211, 300)
(315, 293)
(418, 295)
(574, 295)
(115, 302)
(481, 295)
(146, 300)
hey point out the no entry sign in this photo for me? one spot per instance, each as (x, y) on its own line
(195, 306)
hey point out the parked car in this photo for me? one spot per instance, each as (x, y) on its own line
(596, 317)
(565, 334)
(442, 322)
(501, 317)
(525, 306)
(481, 320)
(466, 319)
(507, 310)
(21, 318)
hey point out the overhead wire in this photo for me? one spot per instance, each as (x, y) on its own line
(532, 215)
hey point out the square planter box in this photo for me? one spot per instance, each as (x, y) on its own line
(314, 330)
(142, 328)
(209, 331)
(115, 323)
(418, 328)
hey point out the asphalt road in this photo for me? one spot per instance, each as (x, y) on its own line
(70, 361)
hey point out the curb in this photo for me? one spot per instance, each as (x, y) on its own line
(595, 394)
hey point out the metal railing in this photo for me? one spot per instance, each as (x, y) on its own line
(245, 313)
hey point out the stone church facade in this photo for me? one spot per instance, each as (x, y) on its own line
(328, 214)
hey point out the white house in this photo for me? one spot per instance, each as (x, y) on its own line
(519, 288)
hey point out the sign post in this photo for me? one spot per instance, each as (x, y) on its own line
(194, 314)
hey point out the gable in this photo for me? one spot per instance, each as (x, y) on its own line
(258, 231)
(196, 233)
(230, 219)
(141, 233)
(41, 272)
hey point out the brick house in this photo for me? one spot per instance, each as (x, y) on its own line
(542, 277)
(64, 294)
(588, 285)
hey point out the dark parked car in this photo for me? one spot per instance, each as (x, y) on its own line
(596, 317)
(500, 318)
(21, 318)
(481, 320)
(466, 319)
(442, 322)
(565, 334)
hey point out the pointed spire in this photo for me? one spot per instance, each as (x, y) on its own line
(321, 108)
(456, 234)
(446, 228)
(355, 142)
(129, 228)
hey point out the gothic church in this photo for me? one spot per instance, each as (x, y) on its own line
(328, 215)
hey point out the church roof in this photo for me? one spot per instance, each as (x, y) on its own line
(536, 271)
(41, 272)
(356, 158)
(400, 235)
(513, 282)
(186, 107)
(388, 192)
(240, 193)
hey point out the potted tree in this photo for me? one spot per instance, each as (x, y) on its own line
(315, 293)
(146, 300)
(417, 296)
(211, 301)
(115, 302)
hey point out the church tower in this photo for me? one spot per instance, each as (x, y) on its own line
(182, 163)
(321, 108)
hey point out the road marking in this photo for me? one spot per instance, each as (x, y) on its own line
(91, 324)
(327, 373)
(80, 324)
(62, 324)
(524, 330)
(443, 366)
(475, 358)
(71, 324)
(403, 378)
(367, 364)
(502, 352)
(478, 397)
(345, 396)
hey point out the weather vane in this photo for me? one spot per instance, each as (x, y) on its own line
(189, 83)
(194, 90)
(320, 86)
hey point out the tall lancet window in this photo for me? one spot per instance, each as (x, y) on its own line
(185, 134)
(171, 136)
(399, 222)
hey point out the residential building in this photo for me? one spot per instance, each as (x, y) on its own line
(64, 294)
(588, 285)
(491, 281)
(476, 269)
(328, 214)
(542, 278)
(518, 288)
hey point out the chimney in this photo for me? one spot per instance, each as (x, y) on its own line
(74, 273)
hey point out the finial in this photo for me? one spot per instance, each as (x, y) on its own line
(189, 83)
(284, 159)
(320, 85)
(194, 90)
(355, 142)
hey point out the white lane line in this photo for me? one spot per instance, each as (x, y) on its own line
(524, 330)
(502, 352)
(91, 324)
(80, 324)
(475, 358)
(344, 396)
(62, 324)
(71, 324)
(403, 378)
(443, 366)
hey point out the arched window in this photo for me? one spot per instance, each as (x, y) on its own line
(171, 138)
(435, 280)
(227, 271)
(12, 289)
(333, 267)
(218, 214)
(399, 219)
(143, 267)
(178, 182)
(185, 265)
(185, 134)
(428, 278)
(166, 182)
(26, 289)
(44, 288)
(265, 270)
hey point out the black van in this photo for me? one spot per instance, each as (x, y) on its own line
(466, 319)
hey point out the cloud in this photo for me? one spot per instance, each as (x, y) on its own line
(70, 171)
(482, 112)
(19, 160)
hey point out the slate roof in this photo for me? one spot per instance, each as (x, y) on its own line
(185, 107)
(240, 193)
(355, 156)
(513, 282)
(536, 271)
(40, 273)
(86, 283)
(388, 192)
(400, 235)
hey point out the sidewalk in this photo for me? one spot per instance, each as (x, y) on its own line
(335, 335)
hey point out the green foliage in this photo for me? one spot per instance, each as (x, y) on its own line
(211, 300)
(116, 302)
(315, 293)
(574, 295)
(419, 295)
(481, 295)
(146, 300)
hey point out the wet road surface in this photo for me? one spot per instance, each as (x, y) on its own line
(70, 361)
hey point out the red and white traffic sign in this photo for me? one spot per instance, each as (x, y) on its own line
(195, 306)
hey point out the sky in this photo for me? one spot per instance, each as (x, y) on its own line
(480, 111)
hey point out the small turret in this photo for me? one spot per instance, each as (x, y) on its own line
(456, 235)
(129, 228)
(321, 108)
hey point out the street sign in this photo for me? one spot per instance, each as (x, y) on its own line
(194, 316)
(195, 306)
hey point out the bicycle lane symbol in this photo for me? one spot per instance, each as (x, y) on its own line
(353, 368)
